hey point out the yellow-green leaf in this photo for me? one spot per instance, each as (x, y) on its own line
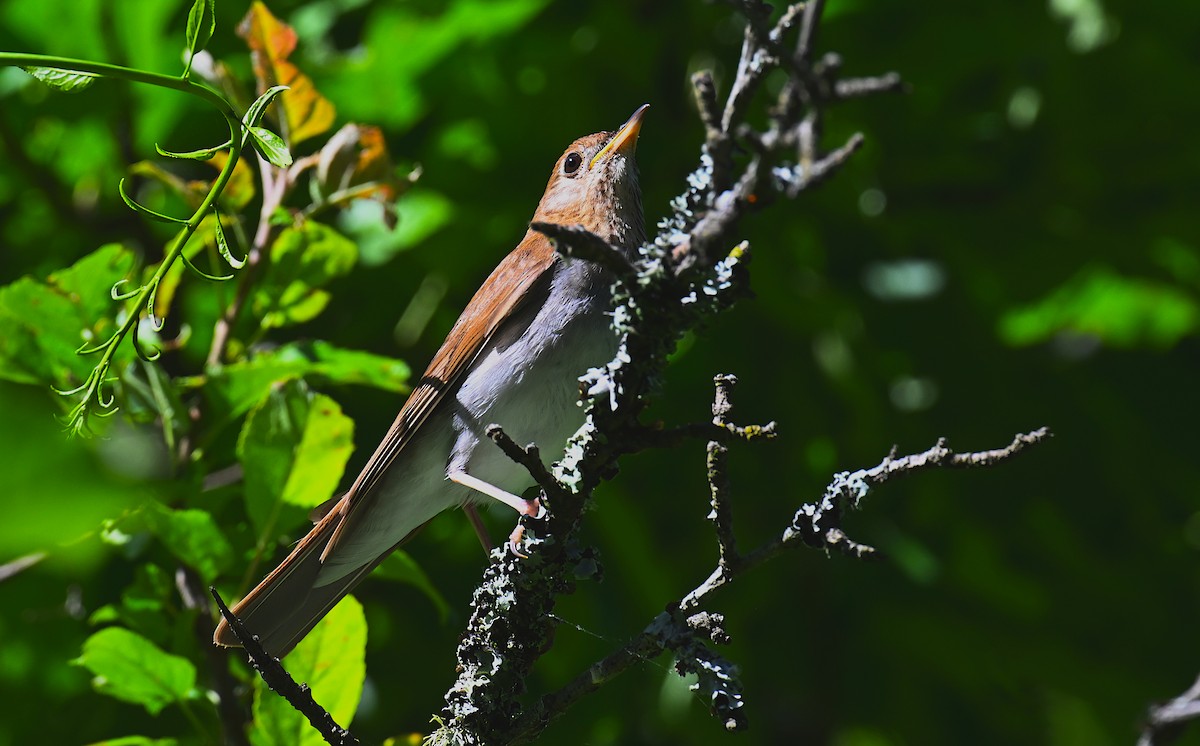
(133, 669)
(331, 660)
(306, 112)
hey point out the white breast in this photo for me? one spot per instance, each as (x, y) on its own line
(526, 381)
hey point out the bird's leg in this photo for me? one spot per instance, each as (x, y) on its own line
(481, 531)
(521, 505)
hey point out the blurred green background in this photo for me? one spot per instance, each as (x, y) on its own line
(1015, 246)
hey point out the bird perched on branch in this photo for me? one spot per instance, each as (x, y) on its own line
(513, 358)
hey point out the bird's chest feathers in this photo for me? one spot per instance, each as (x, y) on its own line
(525, 380)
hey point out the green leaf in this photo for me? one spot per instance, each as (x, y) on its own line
(401, 567)
(192, 536)
(331, 660)
(129, 667)
(254, 113)
(140, 208)
(201, 23)
(45, 322)
(204, 154)
(293, 449)
(302, 260)
(237, 387)
(59, 489)
(147, 604)
(271, 146)
(136, 741)
(68, 81)
(223, 243)
(321, 457)
(1125, 312)
(421, 213)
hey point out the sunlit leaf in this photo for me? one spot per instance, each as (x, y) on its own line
(44, 322)
(322, 454)
(201, 23)
(302, 260)
(236, 387)
(133, 669)
(306, 112)
(293, 448)
(68, 81)
(192, 536)
(136, 741)
(271, 146)
(242, 184)
(331, 660)
(1120, 311)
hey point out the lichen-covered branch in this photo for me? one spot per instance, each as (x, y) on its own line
(681, 629)
(1165, 723)
(685, 275)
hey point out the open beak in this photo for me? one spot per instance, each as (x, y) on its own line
(625, 141)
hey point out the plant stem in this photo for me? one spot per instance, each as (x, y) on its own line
(143, 298)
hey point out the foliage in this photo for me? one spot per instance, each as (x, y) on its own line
(1015, 247)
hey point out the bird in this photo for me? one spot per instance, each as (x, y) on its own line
(513, 358)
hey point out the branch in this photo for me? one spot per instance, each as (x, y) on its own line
(1165, 723)
(232, 716)
(669, 628)
(276, 677)
(686, 275)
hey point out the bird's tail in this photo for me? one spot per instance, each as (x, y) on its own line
(288, 603)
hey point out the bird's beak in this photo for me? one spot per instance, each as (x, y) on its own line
(625, 141)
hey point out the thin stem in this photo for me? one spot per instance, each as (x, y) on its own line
(144, 297)
(184, 85)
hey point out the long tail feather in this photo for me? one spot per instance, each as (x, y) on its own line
(288, 603)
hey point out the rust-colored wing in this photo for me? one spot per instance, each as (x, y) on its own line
(288, 602)
(504, 291)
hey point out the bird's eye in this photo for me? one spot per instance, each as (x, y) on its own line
(572, 163)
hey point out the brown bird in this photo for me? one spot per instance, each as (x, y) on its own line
(538, 322)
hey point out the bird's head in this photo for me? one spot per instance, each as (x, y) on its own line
(595, 184)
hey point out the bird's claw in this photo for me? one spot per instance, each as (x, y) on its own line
(533, 508)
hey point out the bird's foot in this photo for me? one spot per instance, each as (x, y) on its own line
(532, 508)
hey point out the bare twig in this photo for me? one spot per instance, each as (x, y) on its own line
(299, 696)
(20, 565)
(718, 478)
(529, 457)
(1165, 722)
(232, 716)
(858, 87)
(680, 622)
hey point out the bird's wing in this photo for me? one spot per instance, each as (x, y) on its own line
(488, 309)
(288, 602)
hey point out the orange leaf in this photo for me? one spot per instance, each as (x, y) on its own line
(306, 112)
(355, 164)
